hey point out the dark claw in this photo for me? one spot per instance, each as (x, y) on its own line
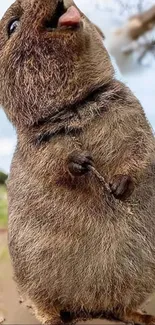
(122, 186)
(79, 163)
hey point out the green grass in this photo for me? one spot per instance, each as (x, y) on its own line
(3, 207)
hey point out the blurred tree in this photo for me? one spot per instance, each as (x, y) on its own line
(132, 33)
(3, 178)
(137, 28)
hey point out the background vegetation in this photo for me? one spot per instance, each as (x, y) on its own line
(3, 201)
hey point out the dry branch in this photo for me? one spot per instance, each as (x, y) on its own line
(142, 23)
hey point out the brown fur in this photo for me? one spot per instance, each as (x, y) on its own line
(74, 247)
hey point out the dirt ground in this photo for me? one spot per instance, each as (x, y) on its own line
(10, 308)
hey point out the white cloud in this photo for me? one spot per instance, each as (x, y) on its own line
(7, 146)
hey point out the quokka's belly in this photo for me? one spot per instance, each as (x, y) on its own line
(82, 249)
(94, 268)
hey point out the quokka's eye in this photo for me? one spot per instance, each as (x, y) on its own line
(13, 26)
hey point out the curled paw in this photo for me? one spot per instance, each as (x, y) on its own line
(79, 163)
(121, 186)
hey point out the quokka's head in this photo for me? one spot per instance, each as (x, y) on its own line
(51, 56)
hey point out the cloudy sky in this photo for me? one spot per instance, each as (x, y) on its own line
(4, 5)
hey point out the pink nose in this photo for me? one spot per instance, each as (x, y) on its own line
(72, 17)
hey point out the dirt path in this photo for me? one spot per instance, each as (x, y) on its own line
(15, 313)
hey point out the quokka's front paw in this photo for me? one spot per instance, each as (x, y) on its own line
(121, 186)
(79, 163)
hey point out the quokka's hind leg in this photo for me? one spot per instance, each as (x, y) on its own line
(137, 317)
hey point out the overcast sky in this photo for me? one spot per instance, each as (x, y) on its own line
(4, 5)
